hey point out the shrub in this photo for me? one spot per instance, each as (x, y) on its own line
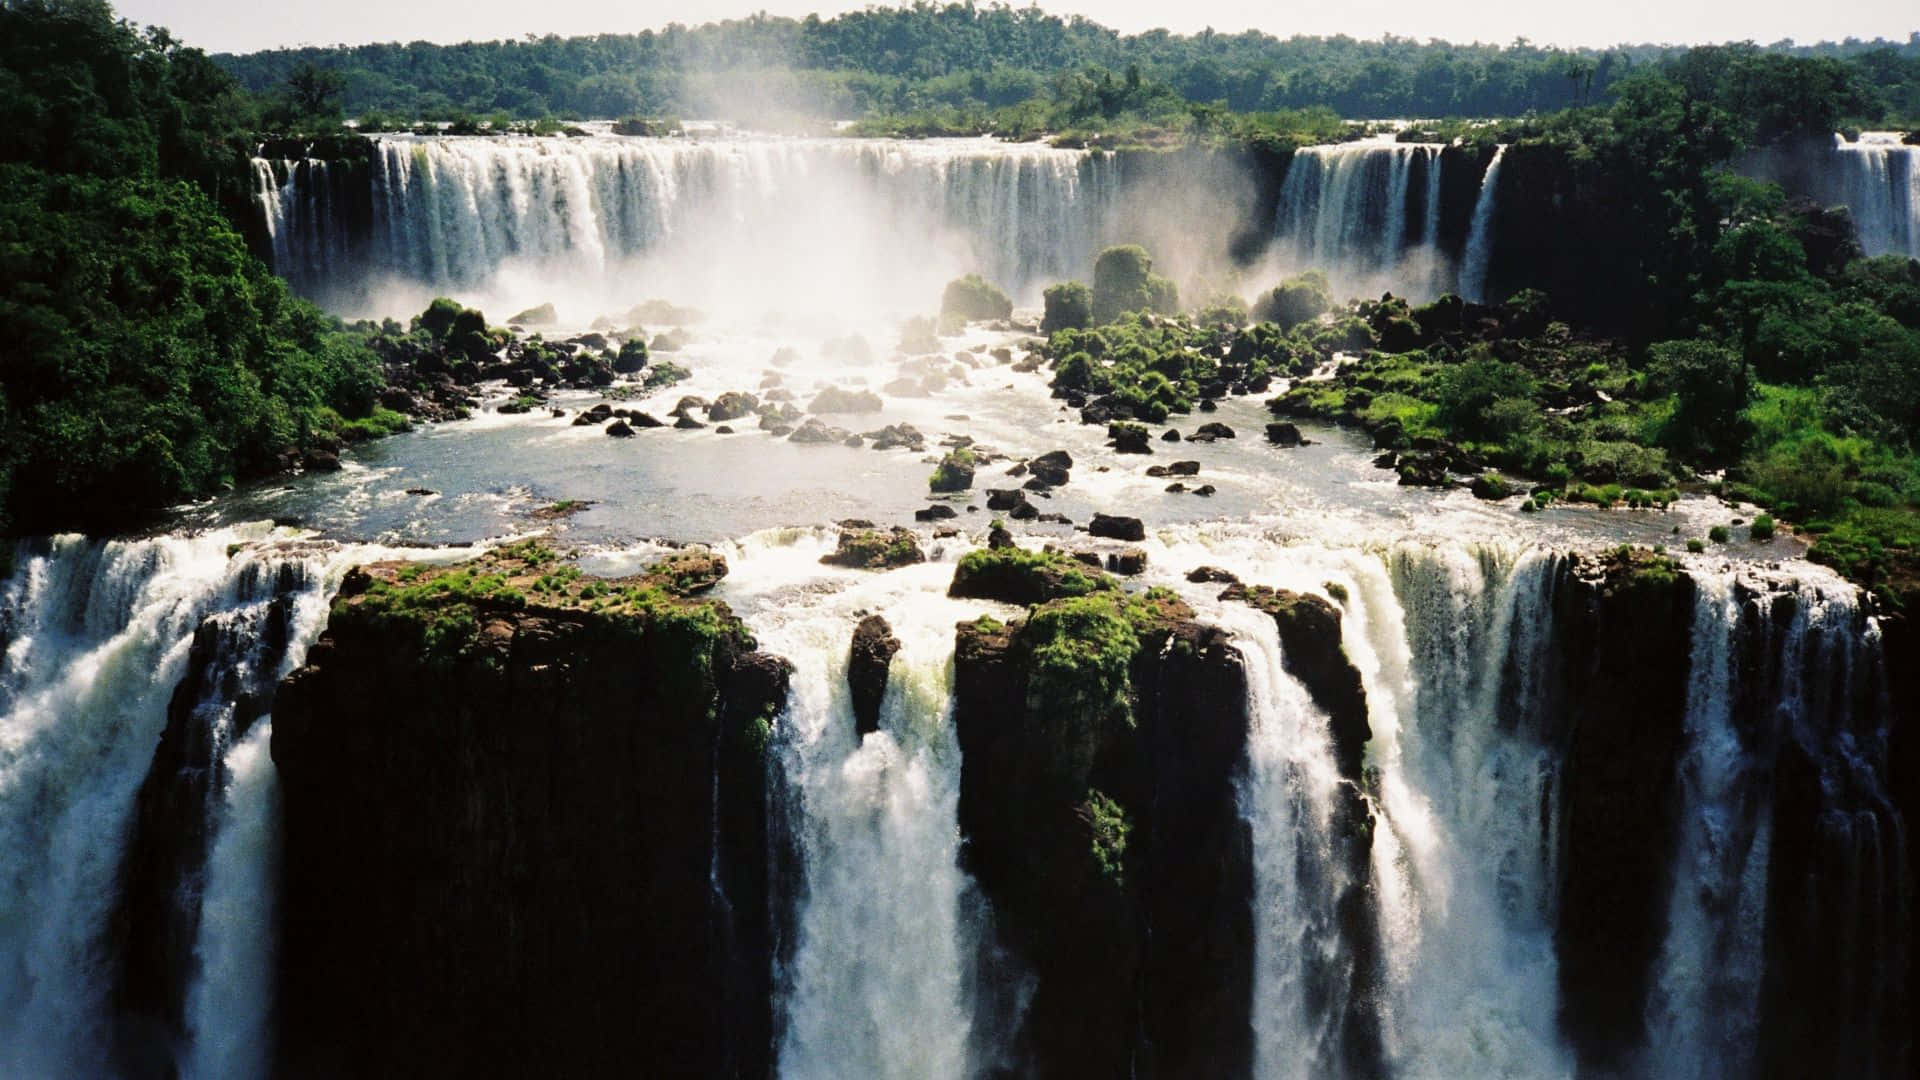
(1299, 299)
(974, 298)
(1719, 534)
(1069, 306)
(1696, 545)
(1123, 281)
(1762, 528)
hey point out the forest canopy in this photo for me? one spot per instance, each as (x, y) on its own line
(972, 60)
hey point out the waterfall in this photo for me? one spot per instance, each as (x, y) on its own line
(770, 220)
(1474, 266)
(886, 934)
(1287, 797)
(1780, 671)
(230, 1007)
(98, 637)
(1702, 1020)
(1879, 179)
(1467, 777)
(1453, 646)
(1345, 209)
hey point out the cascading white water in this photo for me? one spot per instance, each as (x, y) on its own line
(1878, 178)
(720, 222)
(1474, 265)
(230, 1007)
(1702, 1018)
(97, 636)
(1467, 779)
(885, 938)
(1344, 208)
(1287, 798)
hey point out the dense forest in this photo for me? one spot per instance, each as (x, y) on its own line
(979, 61)
(146, 354)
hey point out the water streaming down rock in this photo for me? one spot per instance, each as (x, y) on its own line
(230, 1007)
(98, 637)
(887, 928)
(1467, 776)
(1301, 981)
(1465, 656)
(1354, 211)
(724, 217)
(1879, 179)
(1475, 263)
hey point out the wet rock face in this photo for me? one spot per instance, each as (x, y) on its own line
(1310, 646)
(526, 839)
(229, 684)
(1112, 850)
(873, 650)
(1626, 657)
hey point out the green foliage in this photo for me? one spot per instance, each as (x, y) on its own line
(1719, 534)
(1069, 306)
(1082, 648)
(1762, 527)
(1478, 398)
(954, 473)
(1106, 821)
(974, 299)
(665, 373)
(1299, 299)
(149, 357)
(966, 69)
(1123, 282)
(1021, 576)
(1711, 390)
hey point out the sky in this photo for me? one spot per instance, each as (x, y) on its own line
(247, 25)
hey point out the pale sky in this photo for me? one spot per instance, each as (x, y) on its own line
(246, 25)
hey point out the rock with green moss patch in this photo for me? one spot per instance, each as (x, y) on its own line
(1016, 575)
(872, 549)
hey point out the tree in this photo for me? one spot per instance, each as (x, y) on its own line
(1711, 386)
(1123, 281)
(314, 92)
(1069, 305)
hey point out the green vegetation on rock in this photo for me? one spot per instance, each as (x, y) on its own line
(974, 299)
(1124, 282)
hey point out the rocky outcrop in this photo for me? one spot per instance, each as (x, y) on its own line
(1626, 623)
(872, 549)
(873, 650)
(525, 828)
(1098, 804)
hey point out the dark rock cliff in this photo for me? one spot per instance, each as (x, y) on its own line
(525, 829)
(1627, 624)
(1102, 739)
(1099, 812)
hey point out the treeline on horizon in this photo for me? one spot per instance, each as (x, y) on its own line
(975, 62)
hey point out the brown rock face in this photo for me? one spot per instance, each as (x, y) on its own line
(526, 837)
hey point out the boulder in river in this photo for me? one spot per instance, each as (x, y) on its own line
(872, 653)
(1113, 527)
(1283, 434)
